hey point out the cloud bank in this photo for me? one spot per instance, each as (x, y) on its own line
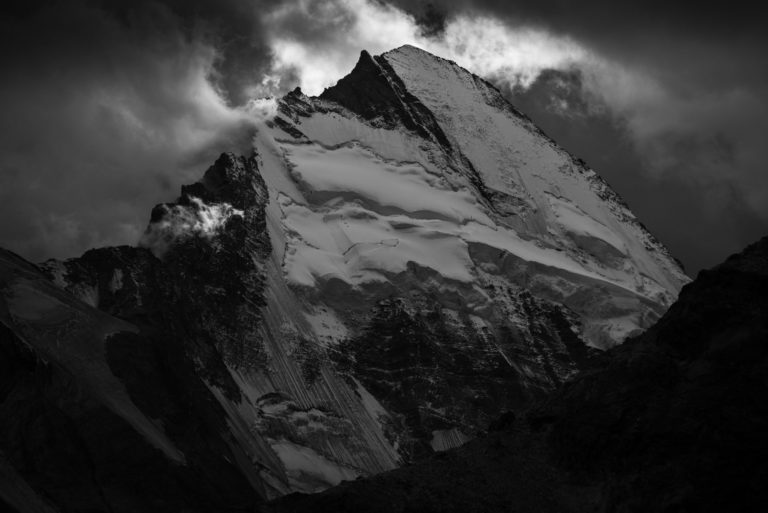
(315, 43)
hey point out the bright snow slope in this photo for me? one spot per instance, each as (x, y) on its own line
(359, 200)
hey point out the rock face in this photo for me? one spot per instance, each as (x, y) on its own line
(398, 261)
(674, 420)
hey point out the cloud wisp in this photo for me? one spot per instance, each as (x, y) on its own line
(314, 43)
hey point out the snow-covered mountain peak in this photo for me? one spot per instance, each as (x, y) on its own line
(530, 198)
(399, 260)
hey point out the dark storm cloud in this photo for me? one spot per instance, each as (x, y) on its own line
(108, 107)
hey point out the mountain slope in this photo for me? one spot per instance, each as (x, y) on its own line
(399, 260)
(673, 420)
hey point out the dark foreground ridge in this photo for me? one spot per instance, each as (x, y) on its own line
(674, 420)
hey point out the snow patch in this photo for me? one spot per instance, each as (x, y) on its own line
(59, 272)
(371, 404)
(116, 283)
(326, 325)
(404, 185)
(357, 245)
(308, 471)
(87, 294)
(444, 439)
(575, 220)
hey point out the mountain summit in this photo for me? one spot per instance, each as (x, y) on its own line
(399, 260)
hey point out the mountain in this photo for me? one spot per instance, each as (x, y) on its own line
(398, 260)
(673, 420)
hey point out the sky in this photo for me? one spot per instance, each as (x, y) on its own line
(109, 106)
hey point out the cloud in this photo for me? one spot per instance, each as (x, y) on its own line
(710, 138)
(183, 221)
(318, 42)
